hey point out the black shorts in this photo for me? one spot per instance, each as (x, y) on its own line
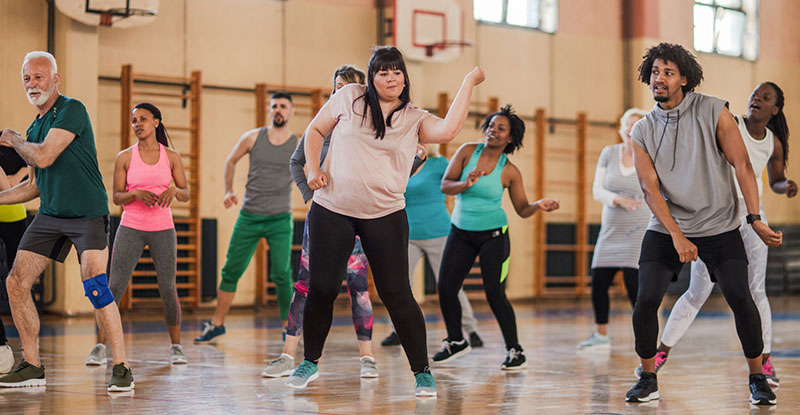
(53, 237)
(713, 250)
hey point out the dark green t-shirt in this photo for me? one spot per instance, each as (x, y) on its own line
(72, 186)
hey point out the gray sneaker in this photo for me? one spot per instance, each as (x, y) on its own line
(177, 357)
(282, 366)
(369, 369)
(595, 340)
(121, 379)
(306, 372)
(24, 375)
(98, 356)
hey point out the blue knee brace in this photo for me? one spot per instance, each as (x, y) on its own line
(96, 288)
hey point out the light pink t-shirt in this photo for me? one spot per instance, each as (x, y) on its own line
(154, 178)
(367, 176)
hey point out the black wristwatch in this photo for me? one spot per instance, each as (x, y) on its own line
(752, 218)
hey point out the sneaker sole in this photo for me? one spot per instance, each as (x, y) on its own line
(179, 361)
(115, 388)
(286, 372)
(30, 383)
(764, 401)
(425, 394)
(212, 340)
(95, 363)
(513, 368)
(369, 375)
(455, 355)
(594, 346)
(648, 398)
(310, 378)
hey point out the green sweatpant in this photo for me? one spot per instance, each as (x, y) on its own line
(249, 229)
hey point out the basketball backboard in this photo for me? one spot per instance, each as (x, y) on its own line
(110, 13)
(429, 30)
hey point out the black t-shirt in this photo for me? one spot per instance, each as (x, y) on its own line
(10, 161)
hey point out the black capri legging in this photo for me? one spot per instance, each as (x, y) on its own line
(385, 241)
(602, 277)
(460, 251)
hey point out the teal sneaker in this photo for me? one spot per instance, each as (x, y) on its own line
(306, 372)
(426, 386)
(25, 375)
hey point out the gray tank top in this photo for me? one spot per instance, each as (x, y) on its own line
(268, 189)
(696, 178)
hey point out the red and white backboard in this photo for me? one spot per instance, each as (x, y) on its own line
(429, 30)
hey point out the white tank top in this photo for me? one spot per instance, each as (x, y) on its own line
(759, 151)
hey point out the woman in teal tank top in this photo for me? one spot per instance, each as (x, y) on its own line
(478, 175)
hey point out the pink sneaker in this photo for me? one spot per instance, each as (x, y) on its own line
(661, 358)
(769, 372)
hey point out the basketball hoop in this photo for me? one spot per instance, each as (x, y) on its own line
(107, 16)
(429, 49)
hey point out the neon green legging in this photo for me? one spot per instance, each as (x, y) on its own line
(249, 229)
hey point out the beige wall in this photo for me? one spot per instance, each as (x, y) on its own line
(242, 42)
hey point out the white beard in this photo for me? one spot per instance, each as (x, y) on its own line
(43, 96)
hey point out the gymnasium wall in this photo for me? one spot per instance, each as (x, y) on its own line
(299, 42)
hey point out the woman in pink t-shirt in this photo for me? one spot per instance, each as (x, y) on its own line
(147, 177)
(359, 191)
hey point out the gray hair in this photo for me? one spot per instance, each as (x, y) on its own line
(626, 118)
(42, 54)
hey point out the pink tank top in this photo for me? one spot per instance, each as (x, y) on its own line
(154, 178)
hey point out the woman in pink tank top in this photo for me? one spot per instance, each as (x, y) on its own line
(147, 177)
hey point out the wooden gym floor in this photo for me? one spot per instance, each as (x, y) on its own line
(705, 373)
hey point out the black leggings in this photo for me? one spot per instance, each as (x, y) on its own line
(460, 251)
(11, 233)
(602, 277)
(726, 260)
(385, 241)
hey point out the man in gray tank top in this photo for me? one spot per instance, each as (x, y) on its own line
(683, 153)
(266, 211)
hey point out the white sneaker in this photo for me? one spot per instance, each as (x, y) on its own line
(177, 357)
(369, 369)
(282, 366)
(98, 356)
(595, 340)
(6, 358)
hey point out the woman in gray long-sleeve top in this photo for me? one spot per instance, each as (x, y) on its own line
(357, 285)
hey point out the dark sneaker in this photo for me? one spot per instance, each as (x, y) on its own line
(760, 392)
(646, 389)
(391, 340)
(306, 372)
(425, 385)
(661, 359)
(515, 360)
(25, 375)
(121, 379)
(475, 340)
(770, 373)
(210, 332)
(451, 350)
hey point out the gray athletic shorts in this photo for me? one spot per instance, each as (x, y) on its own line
(53, 237)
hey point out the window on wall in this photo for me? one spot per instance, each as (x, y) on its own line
(726, 27)
(535, 14)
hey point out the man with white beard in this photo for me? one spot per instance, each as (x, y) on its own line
(61, 152)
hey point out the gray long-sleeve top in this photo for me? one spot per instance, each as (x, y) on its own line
(298, 161)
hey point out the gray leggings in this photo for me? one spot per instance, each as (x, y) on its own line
(128, 247)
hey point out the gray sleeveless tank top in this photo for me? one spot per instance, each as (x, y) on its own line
(268, 189)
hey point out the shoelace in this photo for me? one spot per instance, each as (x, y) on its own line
(424, 381)
(304, 370)
(207, 327)
(446, 346)
(660, 359)
(513, 354)
(120, 371)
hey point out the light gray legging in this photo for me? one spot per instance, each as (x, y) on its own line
(433, 249)
(128, 247)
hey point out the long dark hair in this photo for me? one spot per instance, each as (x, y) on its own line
(161, 130)
(777, 123)
(384, 58)
(516, 127)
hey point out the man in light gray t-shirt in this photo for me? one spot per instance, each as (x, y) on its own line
(683, 151)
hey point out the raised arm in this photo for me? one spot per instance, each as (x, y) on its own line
(451, 181)
(322, 125)
(651, 186)
(776, 169)
(24, 191)
(296, 164)
(437, 130)
(516, 191)
(242, 147)
(38, 155)
(732, 145)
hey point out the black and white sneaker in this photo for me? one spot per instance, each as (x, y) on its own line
(451, 350)
(760, 392)
(515, 360)
(646, 389)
